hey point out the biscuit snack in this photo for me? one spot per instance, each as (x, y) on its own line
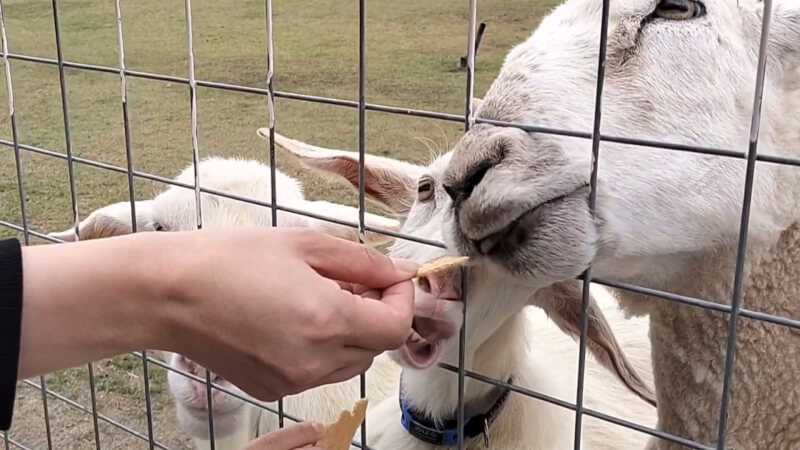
(339, 434)
(440, 264)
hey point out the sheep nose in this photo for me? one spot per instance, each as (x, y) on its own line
(461, 191)
(451, 191)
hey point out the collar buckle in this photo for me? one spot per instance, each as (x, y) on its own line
(486, 432)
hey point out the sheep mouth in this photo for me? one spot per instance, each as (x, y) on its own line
(429, 331)
(199, 408)
(515, 233)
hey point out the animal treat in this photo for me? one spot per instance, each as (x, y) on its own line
(440, 264)
(339, 434)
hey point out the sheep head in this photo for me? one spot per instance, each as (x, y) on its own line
(174, 209)
(680, 71)
(418, 197)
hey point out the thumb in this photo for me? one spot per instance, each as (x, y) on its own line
(347, 261)
(289, 438)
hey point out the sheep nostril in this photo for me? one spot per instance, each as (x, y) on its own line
(491, 242)
(475, 179)
(452, 192)
(476, 245)
(462, 191)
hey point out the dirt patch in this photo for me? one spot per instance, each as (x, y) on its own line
(119, 387)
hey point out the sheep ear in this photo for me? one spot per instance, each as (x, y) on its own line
(388, 181)
(111, 220)
(562, 303)
(350, 214)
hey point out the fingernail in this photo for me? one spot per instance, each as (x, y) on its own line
(405, 265)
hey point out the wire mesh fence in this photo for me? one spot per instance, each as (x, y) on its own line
(735, 310)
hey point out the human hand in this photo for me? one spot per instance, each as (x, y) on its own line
(302, 435)
(280, 311)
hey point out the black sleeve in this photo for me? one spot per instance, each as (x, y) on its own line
(10, 323)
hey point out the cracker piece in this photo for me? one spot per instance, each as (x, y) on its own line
(440, 264)
(339, 434)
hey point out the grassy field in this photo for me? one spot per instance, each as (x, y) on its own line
(413, 53)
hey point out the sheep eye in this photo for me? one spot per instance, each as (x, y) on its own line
(425, 189)
(679, 9)
(159, 227)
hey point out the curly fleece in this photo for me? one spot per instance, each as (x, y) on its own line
(689, 351)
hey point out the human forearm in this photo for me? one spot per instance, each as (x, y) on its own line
(94, 299)
(257, 306)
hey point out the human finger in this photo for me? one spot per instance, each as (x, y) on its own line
(343, 260)
(361, 290)
(342, 364)
(349, 287)
(374, 294)
(289, 438)
(383, 324)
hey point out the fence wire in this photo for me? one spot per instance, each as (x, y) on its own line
(586, 296)
(734, 311)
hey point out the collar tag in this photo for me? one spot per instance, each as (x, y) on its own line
(426, 433)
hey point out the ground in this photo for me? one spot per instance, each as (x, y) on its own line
(413, 53)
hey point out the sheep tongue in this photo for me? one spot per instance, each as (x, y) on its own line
(419, 353)
(422, 348)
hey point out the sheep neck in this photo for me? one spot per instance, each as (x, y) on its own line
(689, 350)
(445, 432)
(434, 391)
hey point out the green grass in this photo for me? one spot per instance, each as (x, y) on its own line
(413, 50)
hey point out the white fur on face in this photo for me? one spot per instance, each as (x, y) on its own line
(690, 82)
(493, 295)
(191, 400)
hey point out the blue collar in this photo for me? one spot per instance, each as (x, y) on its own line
(446, 432)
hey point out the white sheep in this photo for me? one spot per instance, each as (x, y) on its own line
(505, 339)
(237, 422)
(680, 71)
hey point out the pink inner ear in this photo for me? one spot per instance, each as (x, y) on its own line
(384, 185)
(348, 168)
